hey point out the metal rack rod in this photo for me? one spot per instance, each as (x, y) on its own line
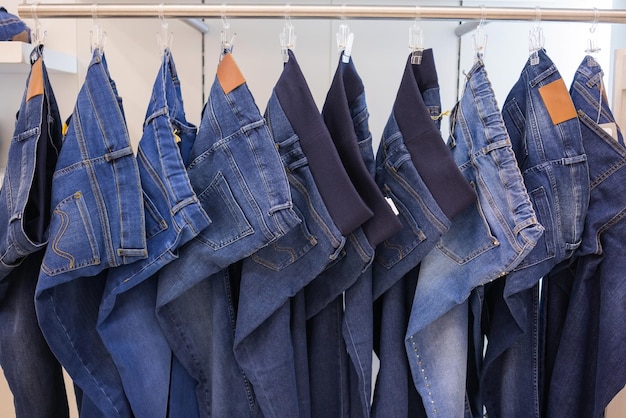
(77, 10)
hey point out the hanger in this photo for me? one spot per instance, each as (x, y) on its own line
(226, 41)
(98, 36)
(38, 37)
(345, 39)
(287, 37)
(592, 42)
(535, 38)
(480, 37)
(164, 39)
(416, 39)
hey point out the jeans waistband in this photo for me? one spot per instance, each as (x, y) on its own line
(431, 157)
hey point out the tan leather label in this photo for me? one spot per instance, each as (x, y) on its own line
(228, 74)
(35, 84)
(558, 101)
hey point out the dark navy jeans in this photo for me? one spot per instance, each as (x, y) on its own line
(395, 266)
(584, 300)
(545, 135)
(32, 372)
(264, 342)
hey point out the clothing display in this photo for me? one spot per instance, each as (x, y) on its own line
(281, 263)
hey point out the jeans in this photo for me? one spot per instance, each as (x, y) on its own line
(127, 321)
(33, 373)
(97, 223)
(346, 207)
(346, 116)
(238, 176)
(545, 135)
(585, 300)
(394, 267)
(484, 242)
(264, 345)
(25, 194)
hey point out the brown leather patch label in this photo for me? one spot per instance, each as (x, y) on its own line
(35, 83)
(228, 74)
(558, 101)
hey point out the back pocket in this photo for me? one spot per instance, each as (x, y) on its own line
(228, 222)
(288, 249)
(73, 242)
(469, 235)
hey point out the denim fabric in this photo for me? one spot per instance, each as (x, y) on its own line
(11, 26)
(345, 113)
(344, 204)
(588, 368)
(484, 242)
(127, 321)
(240, 181)
(33, 152)
(263, 339)
(423, 224)
(97, 223)
(33, 373)
(550, 153)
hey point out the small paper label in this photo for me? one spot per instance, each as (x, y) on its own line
(228, 74)
(610, 128)
(35, 83)
(392, 206)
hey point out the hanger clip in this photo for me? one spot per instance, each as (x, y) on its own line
(592, 42)
(480, 37)
(165, 38)
(416, 43)
(287, 39)
(536, 40)
(98, 35)
(226, 41)
(345, 39)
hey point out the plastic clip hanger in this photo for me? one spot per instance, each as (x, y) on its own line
(165, 38)
(535, 38)
(226, 41)
(416, 39)
(480, 37)
(39, 35)
(98, 36)
(345, 39)
(592, 42)
(287, 37)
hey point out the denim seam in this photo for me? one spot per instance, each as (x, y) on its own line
(424, 375)
(156, 178)
(363, 388)
(319, 220)
(249, 196)
(431, 217)
(592, 101)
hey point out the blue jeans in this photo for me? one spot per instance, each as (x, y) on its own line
(32, 372)
(271, 276)
(346, 115)
(484, 242)
(545, 135)
(423, 224)
(97, 223)
(585, 300)
(127, 320)
(25, 194)
(238, 176)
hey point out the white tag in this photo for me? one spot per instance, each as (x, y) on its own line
(610, 128)
(392, 206)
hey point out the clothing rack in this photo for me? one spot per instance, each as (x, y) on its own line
(74, 10)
